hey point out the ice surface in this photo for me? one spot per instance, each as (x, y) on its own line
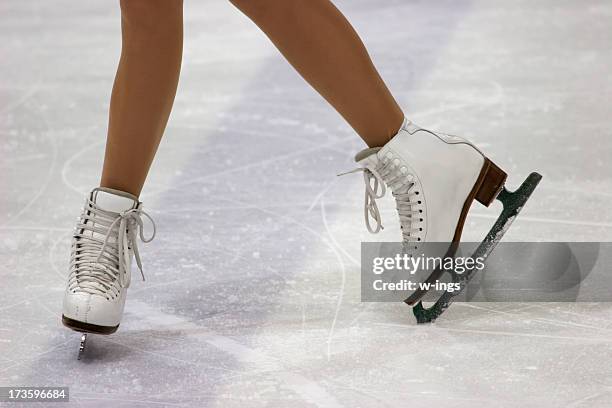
(252, 291)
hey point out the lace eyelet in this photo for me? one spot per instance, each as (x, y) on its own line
(419, 201)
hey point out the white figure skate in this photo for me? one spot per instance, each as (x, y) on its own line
(103, 244)
(434, 179)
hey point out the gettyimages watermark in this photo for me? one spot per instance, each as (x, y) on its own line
(514, 272)
(412, 264)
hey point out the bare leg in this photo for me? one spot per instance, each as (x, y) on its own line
(144, 89)
(323, 47)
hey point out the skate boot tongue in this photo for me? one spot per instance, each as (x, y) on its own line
(368, 156)
(111, 200)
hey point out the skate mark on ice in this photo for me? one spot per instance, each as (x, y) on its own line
(342, 281)
(496, 98)
(321, 194)
(204, 209)
(333, 245)
(52, 252)
(30, 92)
(354, 261)
(553, 322)
(323, 240)
(150, 286)
(213, 176)
(303, 310)
(31, 228)
(519, 309)
(35, 156)
(364, 391)
(71, 159)
(506, 333)
(306, 388)
(132, 401)
(430, 395)
(364, 308)
(581, 402)
(48, 175)
(577, 191)
(320, 198)
(560, 323)
(581, 316)
(35, 357)
(282, 137)
(6, 307)
(549, 220)
(109, 339)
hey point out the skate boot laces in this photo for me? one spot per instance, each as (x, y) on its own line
(389, 173)
(101, 250)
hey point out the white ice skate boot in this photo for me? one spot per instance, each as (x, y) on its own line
(103, 244)
(434, 179)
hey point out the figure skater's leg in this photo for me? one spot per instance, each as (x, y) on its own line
(323, 47)
(144, 89)
(106, 234)
(434, 178)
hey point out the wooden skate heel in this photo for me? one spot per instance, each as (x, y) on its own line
(491, 180)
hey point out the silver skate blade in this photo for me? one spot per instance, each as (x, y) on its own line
(82, 345)
(513, 202)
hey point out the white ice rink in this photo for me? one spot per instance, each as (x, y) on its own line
(252, 296)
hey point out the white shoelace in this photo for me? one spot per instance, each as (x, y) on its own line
(100, 265)
(388, 174)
